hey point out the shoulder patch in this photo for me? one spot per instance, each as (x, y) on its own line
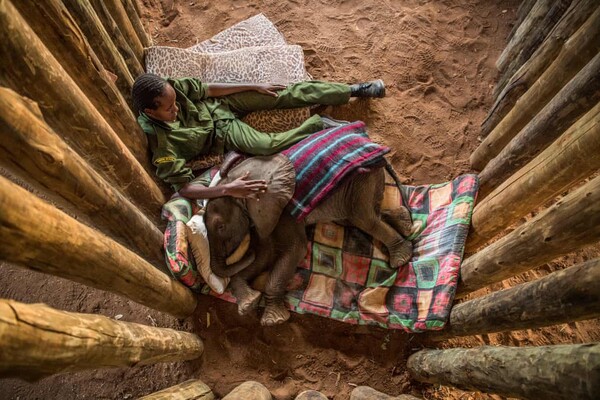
(163, 160)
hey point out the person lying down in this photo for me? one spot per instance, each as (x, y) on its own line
(186, 118)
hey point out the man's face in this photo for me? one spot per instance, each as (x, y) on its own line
(167, 109)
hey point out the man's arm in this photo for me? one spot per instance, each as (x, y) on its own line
(224, 89)
(240, 188)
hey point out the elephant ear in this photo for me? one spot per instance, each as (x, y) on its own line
(279, 173)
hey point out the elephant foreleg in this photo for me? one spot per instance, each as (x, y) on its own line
(246, 297)
(291, 249)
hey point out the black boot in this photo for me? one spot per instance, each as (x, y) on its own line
(368, 89)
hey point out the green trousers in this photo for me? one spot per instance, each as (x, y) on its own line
(237, 135)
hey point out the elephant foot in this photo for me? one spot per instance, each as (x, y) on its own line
(249, 301)
(402, 255)
(275, 312)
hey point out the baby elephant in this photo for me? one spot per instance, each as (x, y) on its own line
(278, 242)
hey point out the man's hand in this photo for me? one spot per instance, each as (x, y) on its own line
(243, 188)
(270, 89)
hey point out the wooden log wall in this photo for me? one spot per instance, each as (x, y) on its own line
(540, 148)
(38, 341)
(68, 130)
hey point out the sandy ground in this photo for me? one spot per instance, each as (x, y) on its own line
(437, 59)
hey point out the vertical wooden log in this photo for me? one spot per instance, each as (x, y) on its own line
(513, 86)
(534, 39)
(576, 54)
(131, 7)
(39, 236)
(570, 224)
(534, 17)
(571, 158)
(573, 101)
(103, 46)
(250, 390)
(572, 294)
(37, 341)
(546, 372)
(119, 40)
(522, 12)
(52, 23)
(30, 148)
(34, 72)
(194, 389)
(128, 35)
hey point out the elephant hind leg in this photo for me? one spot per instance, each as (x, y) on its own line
(247, 298)
(400, 249)
(399, 219)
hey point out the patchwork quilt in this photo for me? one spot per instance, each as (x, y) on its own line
(346, 276)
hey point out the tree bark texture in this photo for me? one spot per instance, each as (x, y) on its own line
(532, 42)
(574, 57)
(193, 389)
(103, 46)
(119, 14)
(515, 85)
(60, 33)
(35, 73)
(522, 12)
(546, 372)
(32, 149)
(37, 341)
(570, 224)
(40, 237)
(368, 393)
(571, 158)
(571, 103)
(134, 17)
(134, 58)
(572, 294)
(250, 390)
(532, 20)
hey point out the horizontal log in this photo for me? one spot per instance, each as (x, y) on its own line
(37, 341)
(367, 393)
(35, 73)
(249, 390)
(53, 24)
(511, 86)
(535, 16)
(40, 237)
(571, 158)
(569, 295)
(545, 372)
(133, 57)
(193, 389)
(29, 146)
(577, 52)
(570, 224)
(103, 46)
(574, 100)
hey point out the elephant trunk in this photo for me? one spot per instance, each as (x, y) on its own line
(220, 267)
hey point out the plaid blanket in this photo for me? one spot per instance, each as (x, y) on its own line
(345, 274)
(323, 159)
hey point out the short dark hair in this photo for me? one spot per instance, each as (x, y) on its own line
(146, 89)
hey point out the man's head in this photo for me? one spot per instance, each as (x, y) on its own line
(154, 96)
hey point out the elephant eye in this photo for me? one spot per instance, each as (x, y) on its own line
(221, 228)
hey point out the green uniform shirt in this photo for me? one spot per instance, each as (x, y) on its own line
(174, 144)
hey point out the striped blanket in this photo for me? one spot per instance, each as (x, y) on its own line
(325, 158)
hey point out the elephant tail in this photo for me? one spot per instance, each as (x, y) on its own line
(394, 175)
